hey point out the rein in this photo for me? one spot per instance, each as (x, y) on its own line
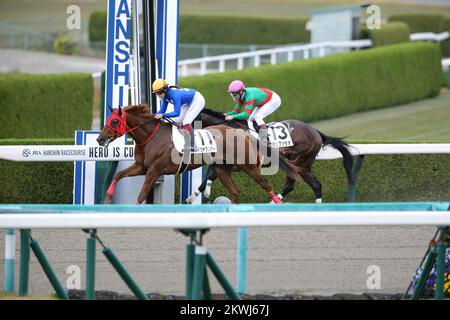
(128, 130)
(149, 137)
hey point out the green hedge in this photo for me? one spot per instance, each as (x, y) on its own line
(419, 22)
(436, 23)
(36, 182)
(383, 178)
(242, 30)
(445, 78)
(445, 45)
(336, 85)
(51, 106)
(97, 26)
(223, 29)
(390, 33)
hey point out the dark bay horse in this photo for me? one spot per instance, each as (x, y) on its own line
(154, 152)
(307, 142)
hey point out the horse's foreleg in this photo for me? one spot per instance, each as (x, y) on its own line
(224, 175)
(254, 172)
(134, 170)
(288, 187)
(150, 178)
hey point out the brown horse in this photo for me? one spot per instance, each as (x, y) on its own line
(154, 152)
(307, 142)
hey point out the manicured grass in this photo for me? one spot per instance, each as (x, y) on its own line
(421, 121)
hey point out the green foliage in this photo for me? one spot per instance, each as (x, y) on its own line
(390, 33)
(445, 76)
(242, 30)
(64, 44)
(445, 45)
(36, 182)
(336, 85)
(52, 106)
(382, 178)
(97, 26)
(419, 22)
(436, 23)
(223, 29)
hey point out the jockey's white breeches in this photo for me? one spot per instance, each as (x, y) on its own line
(188, 112)
(266, 109)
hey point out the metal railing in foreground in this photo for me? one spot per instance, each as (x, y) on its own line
(194, 220)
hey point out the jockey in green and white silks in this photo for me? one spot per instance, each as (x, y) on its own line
(253, 104)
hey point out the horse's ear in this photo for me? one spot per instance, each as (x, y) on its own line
(120, 111)
(110, 109)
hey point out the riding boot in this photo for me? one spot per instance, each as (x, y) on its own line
(190, 131)
(263, 133)
(262, 136)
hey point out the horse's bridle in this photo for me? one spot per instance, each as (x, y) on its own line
(122, 128)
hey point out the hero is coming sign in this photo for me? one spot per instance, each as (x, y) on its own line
(117, 54)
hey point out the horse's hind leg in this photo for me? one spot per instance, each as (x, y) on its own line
(150, 178)
(313, 182)
(204, 187)
(224, 175)
(254, 172)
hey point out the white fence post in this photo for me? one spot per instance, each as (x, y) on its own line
(257, 62)
(273, 58)
(306, 54)
(290, 56)
(203, 68)
(240, 63)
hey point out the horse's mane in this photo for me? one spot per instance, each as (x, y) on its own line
(237, 123)
(213, 113)
(141, 110)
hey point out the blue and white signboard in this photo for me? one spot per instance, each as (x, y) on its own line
(117, 77)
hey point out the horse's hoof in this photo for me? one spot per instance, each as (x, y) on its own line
(107, 200)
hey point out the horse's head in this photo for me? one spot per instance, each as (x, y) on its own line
(115, 127)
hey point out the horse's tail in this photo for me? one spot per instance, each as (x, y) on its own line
(343, 148)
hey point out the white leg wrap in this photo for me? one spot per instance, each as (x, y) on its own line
(192, 197)
(319, 200)
(207, 191)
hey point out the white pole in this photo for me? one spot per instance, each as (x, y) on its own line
(10, 259)
(132, 88)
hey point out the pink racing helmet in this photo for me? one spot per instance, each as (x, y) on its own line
(235, 86)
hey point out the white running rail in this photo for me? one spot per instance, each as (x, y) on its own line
(91, 220)
(306, 51)
(69, 153)
(430, 36)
